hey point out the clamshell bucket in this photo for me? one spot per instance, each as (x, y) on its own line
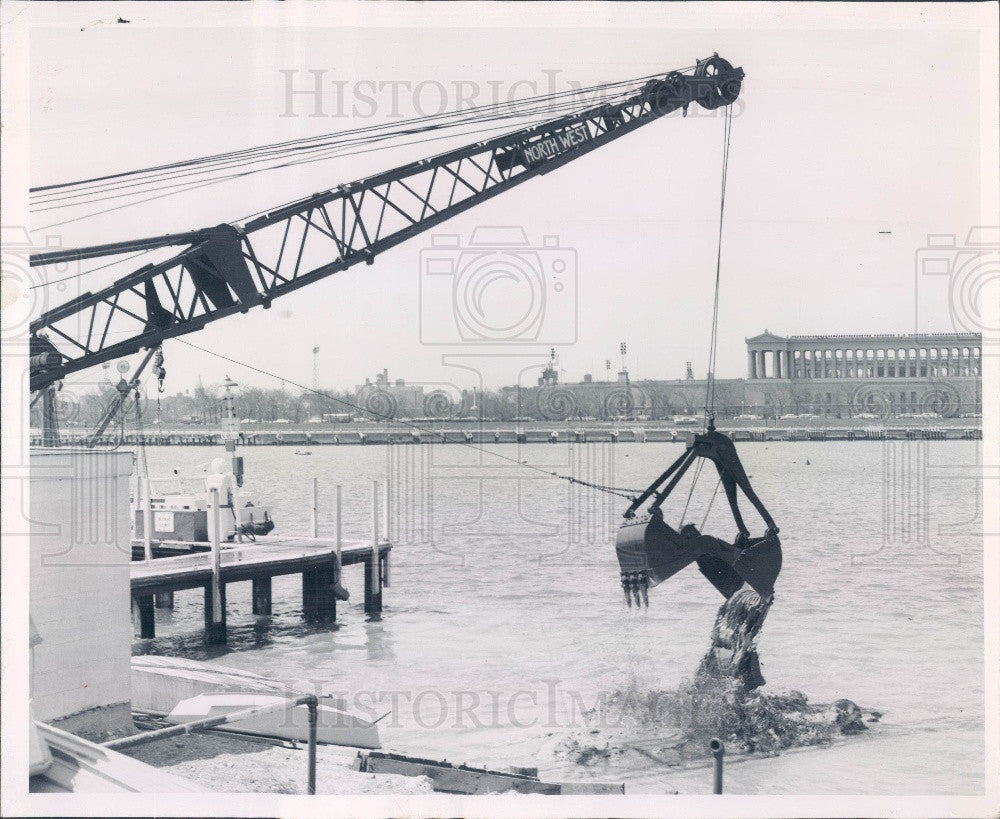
(650, 551)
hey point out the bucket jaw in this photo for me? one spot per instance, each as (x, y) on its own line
(650, 551)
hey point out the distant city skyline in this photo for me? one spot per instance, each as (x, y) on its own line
(601, 375)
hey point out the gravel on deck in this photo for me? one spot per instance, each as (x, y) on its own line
(238, 765)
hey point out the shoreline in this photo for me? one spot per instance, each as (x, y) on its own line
(238, 765)
(479, 434)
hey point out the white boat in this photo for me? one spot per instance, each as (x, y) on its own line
(179, 508)
(161, 684)
(335, 726)
(65, 763)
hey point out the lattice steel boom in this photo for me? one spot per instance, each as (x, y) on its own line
(230, 268)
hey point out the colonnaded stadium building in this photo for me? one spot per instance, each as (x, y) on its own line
(835, 376)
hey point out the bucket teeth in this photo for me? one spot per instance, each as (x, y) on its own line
(636, 587)
(626, 589)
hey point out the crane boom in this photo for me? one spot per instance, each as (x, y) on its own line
(228, 269)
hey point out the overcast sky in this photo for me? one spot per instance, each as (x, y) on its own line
(840, 134)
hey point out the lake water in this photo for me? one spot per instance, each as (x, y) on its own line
(505, 617)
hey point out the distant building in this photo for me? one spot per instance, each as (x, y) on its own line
(885, 375)
(844, 376)
(397, 399)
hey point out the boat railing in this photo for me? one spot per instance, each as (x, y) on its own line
(178, 485)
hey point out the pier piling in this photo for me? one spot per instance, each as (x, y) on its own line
(143, 616)
(373, 563)
(262, 595)
(164, 600)
(340, 527)
(147, 518)
(373, 586)
(215, 593)
(215, 615)
(315, 508)
(319, 600)
(388, 531)
(154, 583)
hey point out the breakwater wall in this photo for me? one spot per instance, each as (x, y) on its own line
(374, 437)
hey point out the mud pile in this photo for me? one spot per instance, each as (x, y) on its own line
(723, 700)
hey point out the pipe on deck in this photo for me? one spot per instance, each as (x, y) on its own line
(309, 700)
(718, 752)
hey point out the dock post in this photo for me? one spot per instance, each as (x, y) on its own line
(215, 596)
(147, 519)
(718, 752)
(215, 629)
(319, 599)
(143, 618)
(315, 508)
(373, 574)
(313, 705)
(340, 527)
(165, 600)
(388, 530)
(373, 591)
(261, 595)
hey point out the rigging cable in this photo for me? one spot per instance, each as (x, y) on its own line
(323, 151)
(548, 104)
(613, 490)
(714, 344)
(513, 109)
(277, 151)
(83, 273)
(335, 145)
(694, 483)
(294, 144)
(196, 185)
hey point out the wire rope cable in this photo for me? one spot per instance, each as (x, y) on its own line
(614, 490)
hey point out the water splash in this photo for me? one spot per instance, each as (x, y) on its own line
(634, 723)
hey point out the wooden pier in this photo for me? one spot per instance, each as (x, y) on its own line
(154, 581)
